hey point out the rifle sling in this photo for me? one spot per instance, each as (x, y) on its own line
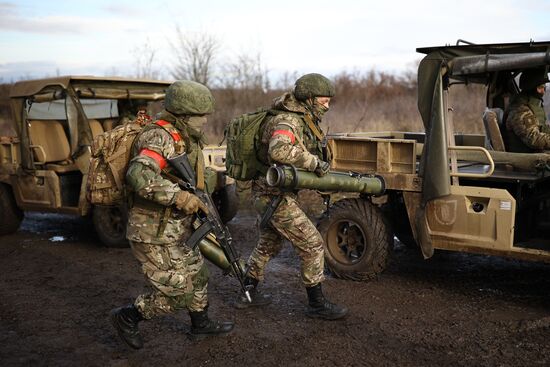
(142, 203)
(316, 131)
(202, 231)
(272, 207)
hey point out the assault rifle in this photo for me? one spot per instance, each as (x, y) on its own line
(209, 222)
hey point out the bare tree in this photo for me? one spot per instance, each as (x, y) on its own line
(195, 54)
(144, 57)
(286, 80)
(246, 72)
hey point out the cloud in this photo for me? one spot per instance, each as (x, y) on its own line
(14, 71)
(25, 70)
(12, 20)
(123, 10)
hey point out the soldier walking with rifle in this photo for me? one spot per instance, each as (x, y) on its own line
(163, 216)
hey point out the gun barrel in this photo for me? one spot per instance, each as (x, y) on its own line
(292, 178)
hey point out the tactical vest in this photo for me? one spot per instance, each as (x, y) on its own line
(315, 140)
(184, 141)
(312, 138)
(536, 106)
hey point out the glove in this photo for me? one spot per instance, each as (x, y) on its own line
(322, 168)
(189, 203)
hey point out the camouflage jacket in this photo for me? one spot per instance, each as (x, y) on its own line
(526, 128)
(152, 217)
(287, 139)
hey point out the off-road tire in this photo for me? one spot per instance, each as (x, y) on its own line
(110, 225)
(10, 214)
(227, 202)
(364, 254)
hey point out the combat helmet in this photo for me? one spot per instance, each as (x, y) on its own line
(185, 97)
(313, 85)
(532, 78)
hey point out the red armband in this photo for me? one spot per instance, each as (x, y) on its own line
(157, 157)
(285, 132)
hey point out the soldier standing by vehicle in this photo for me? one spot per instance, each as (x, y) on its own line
(526, 121)
(161, 217)
(291, 135)
(134, 110)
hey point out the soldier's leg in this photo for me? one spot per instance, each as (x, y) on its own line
(201, 325)
(174, 274)
(178, 277)
(269, 245)
(293, 224)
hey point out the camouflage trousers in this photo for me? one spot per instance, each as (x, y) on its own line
(177, 274)
(291, 223)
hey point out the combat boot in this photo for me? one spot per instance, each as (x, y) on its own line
(202, 326)
(125, 320)
(320, 307)
(258, 298)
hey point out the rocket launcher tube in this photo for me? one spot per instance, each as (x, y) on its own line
(211, 250)
(287, 177)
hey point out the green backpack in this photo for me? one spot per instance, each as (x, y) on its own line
(242, 136)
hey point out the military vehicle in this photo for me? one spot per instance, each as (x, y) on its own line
(445, 190)
(44, 163)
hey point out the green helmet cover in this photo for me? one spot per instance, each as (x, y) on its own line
(185, 97)
(313, 85)
(532, 78)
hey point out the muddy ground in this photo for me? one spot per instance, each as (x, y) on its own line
(58, 285)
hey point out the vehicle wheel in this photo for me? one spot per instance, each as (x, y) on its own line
(358, 243)
(10, 214)
(110, 225)
(227, 202)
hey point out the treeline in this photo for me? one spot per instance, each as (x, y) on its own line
(364, 101)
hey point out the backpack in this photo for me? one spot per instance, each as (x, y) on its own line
(242, 135)
(110, 157)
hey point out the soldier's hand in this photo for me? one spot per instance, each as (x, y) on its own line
(322, 168)
(189, 203)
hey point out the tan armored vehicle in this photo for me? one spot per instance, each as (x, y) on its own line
(446, 190)
(44, 164)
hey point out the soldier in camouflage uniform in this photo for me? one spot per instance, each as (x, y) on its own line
(161, 216)
(133, 110)
(526, 122)
(291, 135)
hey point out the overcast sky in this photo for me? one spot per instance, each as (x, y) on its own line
(45, 38)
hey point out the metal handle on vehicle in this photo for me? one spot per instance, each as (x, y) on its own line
(476, 175)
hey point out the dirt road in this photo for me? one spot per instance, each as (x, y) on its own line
(58, 285)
